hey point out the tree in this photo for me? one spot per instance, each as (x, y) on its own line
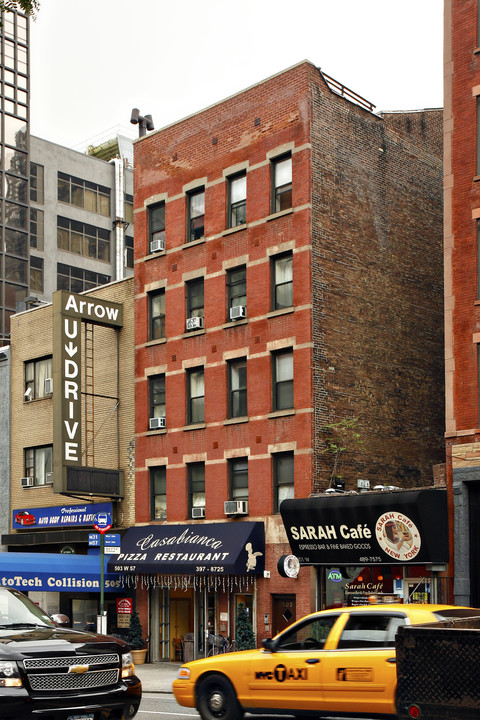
(135, 632)
(28, 7)
(244, 636)
(340, 437)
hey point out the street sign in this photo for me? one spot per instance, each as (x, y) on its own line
(112, 550)
(103, 522)
(93, 540)
(112, 539)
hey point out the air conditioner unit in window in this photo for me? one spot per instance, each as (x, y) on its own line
(157, 422)
(236, 507)
(49, 477)
(27, 481)
(194, 323)
(198, 512)
(48, 386)
(157, 245)
(237, 312)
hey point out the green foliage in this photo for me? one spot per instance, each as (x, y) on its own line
(135, 632)
(244, 635)
(28, 7)
(340, 437)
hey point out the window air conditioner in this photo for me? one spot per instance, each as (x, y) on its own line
(236, 507)
(198, 512)
(157, 245)
(49, 477)
(237, 312)
(27, 482)
(157, 422)
(194, 323)
(48, 386)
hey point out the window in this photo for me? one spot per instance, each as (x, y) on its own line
(36, 274)
(156, 302)
(157, 396)
(36, 183)
(84, 194)
(237, 200)
(282, 380)
(87, 240)
(38, 462)
(309, 635)
(370, 631)
(129, 209)
(236, 288)
(196, 215)
(282, 183)
(283, 487)
(237, 388)
(77, 280)
(158, 496)
(195, 299)
(282, 281)
(478, 136)
(36, 372)
(128, 251)
(156, 223)
(36, 229)
(196, 486)
(238, 479)
(195, 396)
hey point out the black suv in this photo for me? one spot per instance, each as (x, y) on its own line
(53, 673)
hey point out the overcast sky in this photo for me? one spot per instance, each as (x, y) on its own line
(92, 61)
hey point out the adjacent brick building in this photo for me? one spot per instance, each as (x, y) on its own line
(288, 275)
(462, 288)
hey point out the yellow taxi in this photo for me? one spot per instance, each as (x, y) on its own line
(339, 661)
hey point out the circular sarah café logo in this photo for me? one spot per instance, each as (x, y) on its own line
(398, 536)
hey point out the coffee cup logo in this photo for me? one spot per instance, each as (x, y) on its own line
(398, 536)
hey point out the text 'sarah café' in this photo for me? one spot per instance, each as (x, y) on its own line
(390, 544)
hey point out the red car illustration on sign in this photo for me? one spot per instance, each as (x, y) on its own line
(25, 518)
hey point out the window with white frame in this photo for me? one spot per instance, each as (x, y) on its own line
(196, 215)
(237, 200)
(38, 464)
(195, 395)
(237, 388)
(238, 478)
(38, 378)
(283, 480)
(282, 281)
(282, 379)
(281, 169)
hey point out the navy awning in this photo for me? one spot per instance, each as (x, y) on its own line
(55, 572)
(229, 548)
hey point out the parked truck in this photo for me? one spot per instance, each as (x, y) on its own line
(438, 670)
(55, 673)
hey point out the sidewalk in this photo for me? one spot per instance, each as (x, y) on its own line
(157, 677)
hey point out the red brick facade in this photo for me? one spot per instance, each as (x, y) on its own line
(365, 325)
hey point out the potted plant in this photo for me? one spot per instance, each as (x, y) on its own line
(135, 639)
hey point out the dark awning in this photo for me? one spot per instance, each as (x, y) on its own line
(369, 528)
(229, 548)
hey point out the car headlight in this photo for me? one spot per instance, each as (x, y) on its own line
(183, 673)
(9, 674)
(128, 668)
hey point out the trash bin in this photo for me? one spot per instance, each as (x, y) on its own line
(188, 647)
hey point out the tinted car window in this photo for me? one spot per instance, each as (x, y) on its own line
(369, 631)
(309, 635)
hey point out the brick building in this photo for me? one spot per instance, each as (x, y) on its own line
(462, 288)
(288, 275)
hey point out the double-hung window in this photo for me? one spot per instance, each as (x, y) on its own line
(158, 493)
(38, 378)
(156, 315)
(237, 291)
(156, 226)
(237, 388)
(283, 481)
(282, 380)
(196, 215)
(196, 488)
(238, 479)
(38, 464)
(157, 401)
(195, 395)
(281, 183)
(195, 303)
(237, 200)
(282, 281)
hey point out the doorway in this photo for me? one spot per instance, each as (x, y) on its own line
(284, 612)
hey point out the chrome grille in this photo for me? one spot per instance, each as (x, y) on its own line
(68, 660)
(73, 681)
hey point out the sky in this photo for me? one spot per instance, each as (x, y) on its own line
(92, 61)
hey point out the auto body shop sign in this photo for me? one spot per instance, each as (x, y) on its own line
(370, 528)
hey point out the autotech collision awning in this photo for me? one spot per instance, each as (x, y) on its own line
(229, 548)
(369, 528)
(55, 572)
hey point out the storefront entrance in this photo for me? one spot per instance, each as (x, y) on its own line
(283, 612)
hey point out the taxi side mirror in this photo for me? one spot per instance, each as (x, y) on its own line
(269, 644)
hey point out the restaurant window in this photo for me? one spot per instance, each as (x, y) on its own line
(282, 281)
(282, 380)
(195, 395)
(38, 464)
(237, 200)
(283, 482)
(238, 479)
(38, 378)
(196, 215)
(196, 489)
(281, 169)
(156, 313)
(158, 486)
(237, 388)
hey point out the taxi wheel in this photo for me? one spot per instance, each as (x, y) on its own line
(217, 699)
